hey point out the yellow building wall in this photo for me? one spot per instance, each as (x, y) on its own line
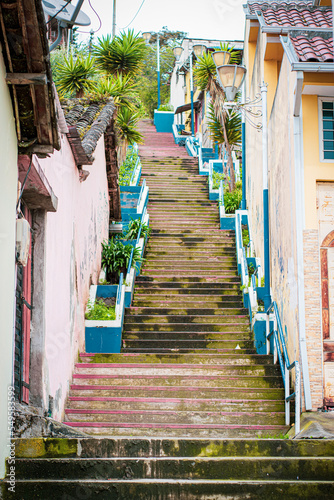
(314, 169)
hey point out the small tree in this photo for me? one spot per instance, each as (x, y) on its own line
(122, 55)
(205, 77)
(76, 75)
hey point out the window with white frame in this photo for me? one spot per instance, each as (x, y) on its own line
(327, 128)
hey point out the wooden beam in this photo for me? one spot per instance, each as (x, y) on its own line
(26, 78)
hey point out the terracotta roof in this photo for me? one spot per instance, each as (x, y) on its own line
(87, 122)
(299, 18)
(313, 49)
(263, 6)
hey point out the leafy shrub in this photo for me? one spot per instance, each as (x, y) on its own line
(127, 168)
(100, 311)
(216, 178)
(166, 107)
(116, 257)
(133, 229)
(232, 199)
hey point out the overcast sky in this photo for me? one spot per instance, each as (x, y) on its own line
(211, 19)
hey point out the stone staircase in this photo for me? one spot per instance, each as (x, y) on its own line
(180, 412)
(188, 366)
(168, 469)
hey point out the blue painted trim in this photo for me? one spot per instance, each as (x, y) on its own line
(192, 113)
(267, 298)
(243, 205)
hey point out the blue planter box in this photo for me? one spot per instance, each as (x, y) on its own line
(104, 336)
(163, 121)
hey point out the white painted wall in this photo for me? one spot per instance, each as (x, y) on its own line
(8, 193)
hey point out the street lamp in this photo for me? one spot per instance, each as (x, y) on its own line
(147, 36)
(231, 77)
(197, 50)
(178, 52)
(221, 57)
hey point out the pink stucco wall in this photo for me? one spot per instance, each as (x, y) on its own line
(72, 262)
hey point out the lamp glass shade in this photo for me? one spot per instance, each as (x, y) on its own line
(231, 77)
(221, 57)
(199, 50)
(147, 35)
(178, 52)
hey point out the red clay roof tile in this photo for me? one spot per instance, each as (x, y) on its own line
(293, 14)
(315, 49)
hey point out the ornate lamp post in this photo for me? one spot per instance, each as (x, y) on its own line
(231, 78)
(147, 36)
(197, 50)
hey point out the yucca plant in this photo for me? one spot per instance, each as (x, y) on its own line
(123, 54)
(232, 125)
(123, 89)
(75, 75)
(204, 70)
(133, 229)
(126, 123)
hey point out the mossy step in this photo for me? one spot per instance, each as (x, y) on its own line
(180, 380)
(224, 468)
(153, 489)
(179, 363)
(174, 417)
(162, 430)
(186, 284)
(225, 338)
(193, 319)
(175, 311)
(241, 328)
(205, 278)
(174, 404)
(166, 345)
(188, 392)
(169, 300)
(155, 447)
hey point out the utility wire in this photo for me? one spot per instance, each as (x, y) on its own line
(98, 29)
(59, 11)
(136, 14)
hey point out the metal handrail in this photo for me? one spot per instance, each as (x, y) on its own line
(281, 355)
(134, 170)
(221, 196)
(119, 295)
(143, 185)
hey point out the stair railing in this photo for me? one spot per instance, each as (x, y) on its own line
(281, 354)
(272, 315)
(221, 199)
(120, 292)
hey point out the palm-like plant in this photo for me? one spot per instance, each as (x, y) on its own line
(204, 70)
(123, 54)
(76, 75)
(126, 122)
(123, 89)
(232, 126)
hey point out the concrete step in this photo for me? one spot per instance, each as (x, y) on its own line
(185, 489)
(229, 340)
(223, 468)
(171, 379)
(171, 417)
(155, 447)
(175, 404)
(178, 430)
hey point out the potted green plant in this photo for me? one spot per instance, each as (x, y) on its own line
(116, 257)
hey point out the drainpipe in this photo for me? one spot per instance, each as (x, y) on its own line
(192, 94)
(158, 67)
(300, 224)
(243, 133)
(267, 297)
